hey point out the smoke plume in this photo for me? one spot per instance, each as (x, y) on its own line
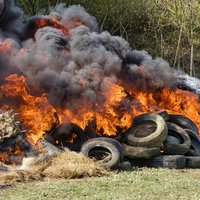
(73, 60)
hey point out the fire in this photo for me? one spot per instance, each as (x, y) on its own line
(42, 22)
(173, 101)
(5, 157)
(35, 112)
(108, 117)
(118, 110)
(5, 47)
(38, 114)
(118, 105)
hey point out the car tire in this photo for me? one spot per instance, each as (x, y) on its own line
(105, 150)
(195, 144)
(168, 161)
(154, 124)
(184, 122)
(64, 133)
(172, 148)
(139, 152)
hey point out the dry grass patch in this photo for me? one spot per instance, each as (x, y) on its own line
(66, 165)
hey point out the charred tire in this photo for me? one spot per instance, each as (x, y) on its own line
(90, 133)
(124, 166)
(184, 122)
(119, 137)
(139, 152)
(172, 140)
(107, 151)
(169, 161)
(65, 133)
(164, 115)
(176, 148)
(195, 144)
(193, 161)
(154, 139)
(49, 138)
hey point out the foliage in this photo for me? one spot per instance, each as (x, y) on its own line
(165, 28)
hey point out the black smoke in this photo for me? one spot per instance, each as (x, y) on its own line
(78, 65)
(9, 18)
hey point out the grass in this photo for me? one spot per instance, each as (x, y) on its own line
(143, 184)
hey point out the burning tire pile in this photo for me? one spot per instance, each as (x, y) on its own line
(154, 140)
(79, 88)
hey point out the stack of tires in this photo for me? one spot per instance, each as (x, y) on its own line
(183, 140)
(175, 137)
(69, 136)
(154, 140)
(145, 137)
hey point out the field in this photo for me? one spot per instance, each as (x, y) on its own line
(138, 184)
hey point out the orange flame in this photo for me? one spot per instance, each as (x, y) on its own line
(42, 22)
(38, 114)
(5, 46)
(5, 157)
(35, 112)
(118, 109)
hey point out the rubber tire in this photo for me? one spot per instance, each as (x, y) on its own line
(184, 122)
(139, 152)
(90, 133)
(195, 144)
(172, 140)
(64, 131)
(125, 166)
(168, 161)
(173, 148)
(113, 146)
(193, 161)
(164, 114)
(155, 139)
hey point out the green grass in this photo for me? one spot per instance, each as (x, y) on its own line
(144, 184)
